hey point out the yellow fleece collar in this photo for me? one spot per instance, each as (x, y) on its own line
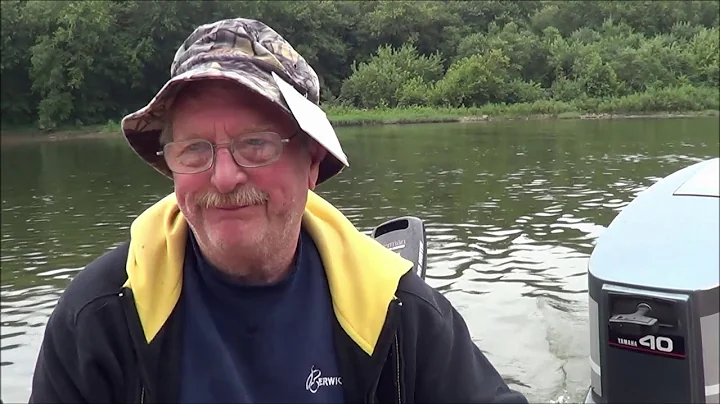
(363, 275)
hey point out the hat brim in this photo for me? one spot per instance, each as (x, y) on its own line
(143, 127)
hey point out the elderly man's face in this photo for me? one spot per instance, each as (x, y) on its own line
(251, 235)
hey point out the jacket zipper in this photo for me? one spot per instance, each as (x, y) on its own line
(371, 390)
(124, 296)
(397, 367)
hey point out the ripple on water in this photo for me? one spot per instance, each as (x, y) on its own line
(490, 271)
(44, 246)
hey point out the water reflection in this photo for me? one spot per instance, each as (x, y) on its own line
(512, 211)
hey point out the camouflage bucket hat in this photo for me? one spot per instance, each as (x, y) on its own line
(252, 54)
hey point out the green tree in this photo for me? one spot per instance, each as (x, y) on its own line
(17, 28)
(704, 57)
(474, 80)
(379, 81)
(79, 62)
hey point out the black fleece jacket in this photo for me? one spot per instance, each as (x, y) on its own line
(94, 350)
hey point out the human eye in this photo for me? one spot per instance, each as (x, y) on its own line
(191, 152)
(257, 148)
(255, 141)
(194, 147)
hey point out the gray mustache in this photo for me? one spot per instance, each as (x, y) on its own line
(240, 197)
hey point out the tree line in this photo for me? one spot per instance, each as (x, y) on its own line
(90, 62)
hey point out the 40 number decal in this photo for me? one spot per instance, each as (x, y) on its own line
(672, 346)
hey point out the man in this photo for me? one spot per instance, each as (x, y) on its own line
(244, 285)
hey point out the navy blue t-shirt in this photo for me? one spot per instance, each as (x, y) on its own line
(251, 344)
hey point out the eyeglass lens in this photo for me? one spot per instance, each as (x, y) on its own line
(248, 150)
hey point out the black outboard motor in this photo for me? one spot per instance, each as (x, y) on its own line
(654, 302)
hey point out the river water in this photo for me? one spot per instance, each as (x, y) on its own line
(512, 211)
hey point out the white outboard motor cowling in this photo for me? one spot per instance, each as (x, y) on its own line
(654, 302)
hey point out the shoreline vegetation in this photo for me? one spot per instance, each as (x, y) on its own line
(345, 117)
(76, 67)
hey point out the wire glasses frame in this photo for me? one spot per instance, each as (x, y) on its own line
(249, 150)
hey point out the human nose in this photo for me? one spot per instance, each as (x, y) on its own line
(227, 175)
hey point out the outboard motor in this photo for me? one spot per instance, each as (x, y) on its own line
(653, 284)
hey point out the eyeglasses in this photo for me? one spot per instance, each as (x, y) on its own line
(248, 150)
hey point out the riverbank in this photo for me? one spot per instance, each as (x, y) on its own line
(356, 117)
(659, 103)
(346, 116)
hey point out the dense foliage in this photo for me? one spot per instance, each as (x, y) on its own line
(82, 62)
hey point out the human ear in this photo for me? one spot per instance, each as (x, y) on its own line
(316, 153)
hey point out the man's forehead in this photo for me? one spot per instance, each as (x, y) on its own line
(233, 103)
(220, 90)
(226, 120)
(217, 125)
